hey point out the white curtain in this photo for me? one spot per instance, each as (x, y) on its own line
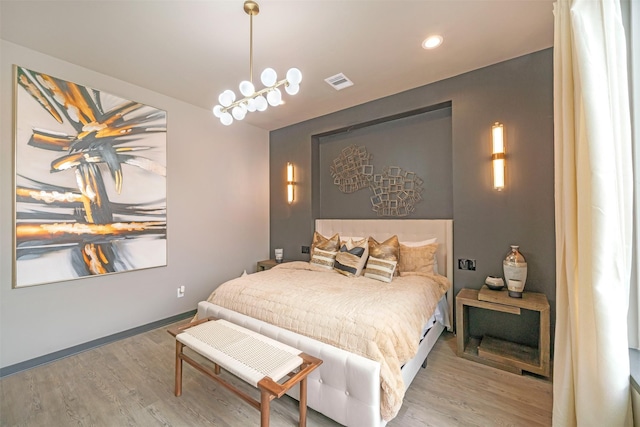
(593, 196)
(634, 51)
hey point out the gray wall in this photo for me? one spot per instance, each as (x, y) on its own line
(223, 169)
(517, 93)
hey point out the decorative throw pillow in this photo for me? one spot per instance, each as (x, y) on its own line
(414, 243)
(417, 259)
(323, 258)
(388, 250)
(321, 242)
(344, 240)
(352, 257)
(380, 269)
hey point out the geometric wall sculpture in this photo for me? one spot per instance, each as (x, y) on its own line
(394, 192)
(352, 169)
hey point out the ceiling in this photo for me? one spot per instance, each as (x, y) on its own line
(193, 50)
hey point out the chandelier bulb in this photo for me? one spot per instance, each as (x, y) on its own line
(217, 111)
(268, 77)
(294, 76)
(274, 97)
(251, 105)
(247, 88)
(227, 98)
(226, 119)
(238, 113)
(261, 103)
(292, 89)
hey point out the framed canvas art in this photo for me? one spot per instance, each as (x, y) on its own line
(90, 182)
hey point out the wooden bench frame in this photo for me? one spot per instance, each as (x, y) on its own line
(269, 389)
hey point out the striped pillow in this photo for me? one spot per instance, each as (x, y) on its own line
(388, 250)
(380, 269)
(323, 258)
(352, 257)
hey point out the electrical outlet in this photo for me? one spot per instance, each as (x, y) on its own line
(466, 264)
(305, 249)
(180, 291)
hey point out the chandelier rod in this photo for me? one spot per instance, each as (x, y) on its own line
(251, 48)
(251, 8)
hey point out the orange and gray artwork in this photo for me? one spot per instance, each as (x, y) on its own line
(90, 182)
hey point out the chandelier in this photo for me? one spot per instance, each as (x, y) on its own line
(230, 108)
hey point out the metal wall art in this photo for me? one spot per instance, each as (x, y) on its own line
(394, 192)
(352, 169)
(90, 182)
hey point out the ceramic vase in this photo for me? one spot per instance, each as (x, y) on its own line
(515, 272)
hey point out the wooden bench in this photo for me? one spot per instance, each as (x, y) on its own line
(258, 360)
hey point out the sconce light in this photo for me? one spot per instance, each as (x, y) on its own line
(289, 183)
(497, 156)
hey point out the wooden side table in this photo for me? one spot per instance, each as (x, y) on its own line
(500, 353)
(267, 264)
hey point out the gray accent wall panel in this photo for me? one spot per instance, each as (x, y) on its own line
(420, 143)
(517, 93)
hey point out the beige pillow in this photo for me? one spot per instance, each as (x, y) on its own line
(417, 259)
(352, 257)
(326, 244)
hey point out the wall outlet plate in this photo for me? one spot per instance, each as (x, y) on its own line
(466, 264)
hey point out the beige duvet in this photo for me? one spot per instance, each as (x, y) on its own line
(377, 320)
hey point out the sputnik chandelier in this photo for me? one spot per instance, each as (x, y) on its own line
(230, 108)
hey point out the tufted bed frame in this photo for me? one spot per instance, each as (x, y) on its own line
(346, 387)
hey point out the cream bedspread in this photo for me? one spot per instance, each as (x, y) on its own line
(380, 321)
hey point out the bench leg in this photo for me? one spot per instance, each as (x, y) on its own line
(179, 348)
(265, 401)
(303, 402)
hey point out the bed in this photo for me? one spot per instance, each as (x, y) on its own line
(355, 386)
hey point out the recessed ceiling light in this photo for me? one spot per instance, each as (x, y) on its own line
(432, 42)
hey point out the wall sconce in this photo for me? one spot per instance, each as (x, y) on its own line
(289, 183)
(497, 156)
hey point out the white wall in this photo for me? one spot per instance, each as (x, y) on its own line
(223, 171)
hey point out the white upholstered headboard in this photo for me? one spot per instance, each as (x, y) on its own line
(406, 230)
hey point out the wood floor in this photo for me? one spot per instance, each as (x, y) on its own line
(130, 383)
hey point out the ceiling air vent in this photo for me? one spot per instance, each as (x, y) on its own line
(339, 81)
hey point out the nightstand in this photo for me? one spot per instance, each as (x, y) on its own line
(267, 264)
(500, 353)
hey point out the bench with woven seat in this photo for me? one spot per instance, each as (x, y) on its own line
(257, 360)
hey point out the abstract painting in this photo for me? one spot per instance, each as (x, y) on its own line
(90, 182)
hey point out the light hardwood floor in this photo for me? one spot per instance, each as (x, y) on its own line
(130, 383)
